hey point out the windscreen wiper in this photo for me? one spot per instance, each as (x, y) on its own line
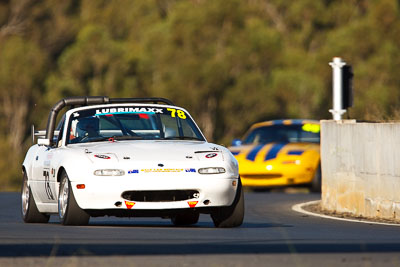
(113, 138)
(183, 138)
(126, 137)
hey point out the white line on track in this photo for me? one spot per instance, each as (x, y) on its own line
(299, 208)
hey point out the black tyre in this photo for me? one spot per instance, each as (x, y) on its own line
(29, 210)
(315, 185)
(68, 210)
(187, 218)
(232, 216)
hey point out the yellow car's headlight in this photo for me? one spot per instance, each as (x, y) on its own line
(297, 162)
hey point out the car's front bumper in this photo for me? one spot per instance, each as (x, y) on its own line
(278, 175)
(104, 193)
(275, 180)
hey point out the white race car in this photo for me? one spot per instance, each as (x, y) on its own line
(128, 157)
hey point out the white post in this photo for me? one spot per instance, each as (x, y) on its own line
(337, 110)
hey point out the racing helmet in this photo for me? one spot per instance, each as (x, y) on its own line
(88, 126)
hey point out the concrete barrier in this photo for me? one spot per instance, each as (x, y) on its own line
(361, 168)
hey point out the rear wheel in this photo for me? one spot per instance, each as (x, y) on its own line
(186, 218)
(68, 210)
(232, 216)
(29, 210)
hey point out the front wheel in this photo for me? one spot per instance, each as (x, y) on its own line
(68, 210)
(29, 210)
(232, 216)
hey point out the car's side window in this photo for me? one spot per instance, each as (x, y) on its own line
(60, 129)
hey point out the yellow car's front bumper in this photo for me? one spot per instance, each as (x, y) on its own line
(287, 167)
(275, 179)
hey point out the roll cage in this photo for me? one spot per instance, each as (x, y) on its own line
(88, 101)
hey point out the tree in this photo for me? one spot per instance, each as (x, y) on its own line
(22, 65)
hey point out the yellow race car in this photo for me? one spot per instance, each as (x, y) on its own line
(280, 153)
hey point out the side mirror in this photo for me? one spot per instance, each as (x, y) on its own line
(236, 142)
(43, 142)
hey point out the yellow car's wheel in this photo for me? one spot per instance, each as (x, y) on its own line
(316, 181)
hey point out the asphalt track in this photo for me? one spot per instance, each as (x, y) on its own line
(272, 235)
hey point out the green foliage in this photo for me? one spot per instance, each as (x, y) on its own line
(94, 65)
(230, 63)
(22, 65)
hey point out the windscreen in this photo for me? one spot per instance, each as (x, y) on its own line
(131, 123)
(308, 133)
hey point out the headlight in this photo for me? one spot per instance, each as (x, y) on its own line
(211, 170)
(297, 162)
(109, 172)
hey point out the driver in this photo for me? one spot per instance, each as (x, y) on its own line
(88, 127)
